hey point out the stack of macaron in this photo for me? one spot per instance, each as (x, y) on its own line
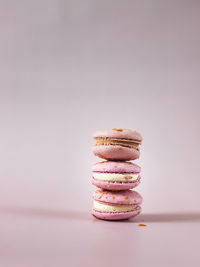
(116, 176)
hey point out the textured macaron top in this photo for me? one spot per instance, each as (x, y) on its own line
(118, 134)
(128, 197)
(116, 167)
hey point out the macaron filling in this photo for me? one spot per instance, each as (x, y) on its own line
(115, 177)
(117, 142)
(107, 207)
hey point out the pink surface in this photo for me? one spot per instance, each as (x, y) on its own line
(118, 134)
(114, 152)
(116, 167)
(122, 198)
(115, 185)
(53, 237)
(116, 215)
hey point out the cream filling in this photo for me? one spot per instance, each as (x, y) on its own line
(115, 177)
(106, 207)
(123, 142)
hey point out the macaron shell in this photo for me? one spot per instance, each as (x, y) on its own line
(116, 215)
(119, 134)
(115, 186)
(116, 167)
(128, 197)
(112, 152)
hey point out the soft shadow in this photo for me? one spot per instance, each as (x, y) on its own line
(79, 215)
(167, 217)
(40, 212)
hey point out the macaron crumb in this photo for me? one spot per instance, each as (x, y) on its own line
(142, 224)
(118, 130)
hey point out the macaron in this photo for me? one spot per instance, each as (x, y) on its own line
(117, 144)
(115, 175)
(119, 205)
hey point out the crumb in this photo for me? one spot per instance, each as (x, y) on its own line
(142, 224)
(118, 130)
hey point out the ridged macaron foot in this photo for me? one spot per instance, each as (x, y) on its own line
(117, 144)
(120, 205)
(115, 175)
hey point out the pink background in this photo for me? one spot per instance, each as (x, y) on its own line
(67, 69)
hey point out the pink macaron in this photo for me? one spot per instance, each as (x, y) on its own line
(115, 175)
(117, 144)
(119, 205)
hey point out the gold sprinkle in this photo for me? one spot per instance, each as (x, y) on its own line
(142, 224)
(118, 130)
